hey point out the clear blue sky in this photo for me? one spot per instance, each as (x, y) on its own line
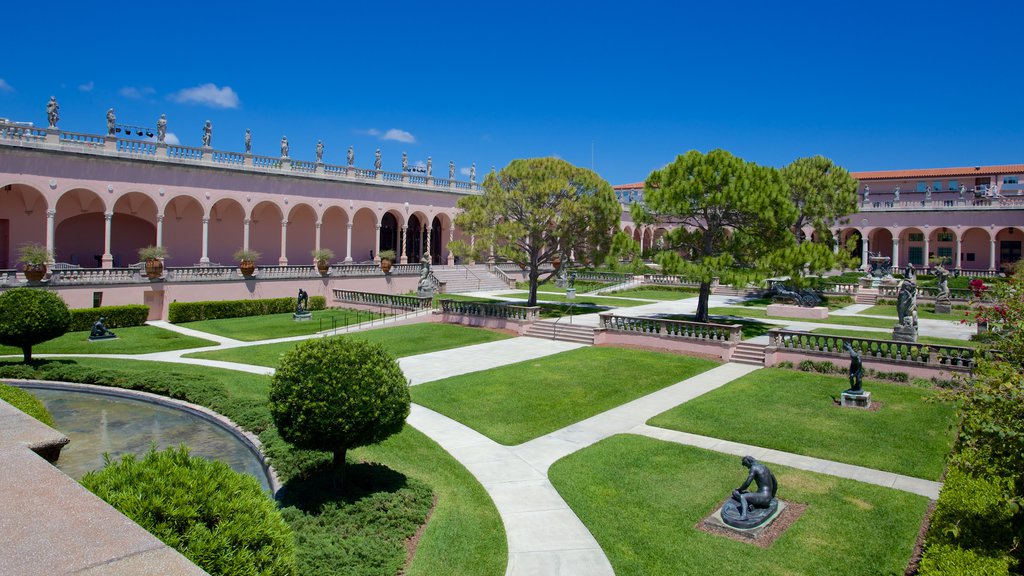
(873, 85)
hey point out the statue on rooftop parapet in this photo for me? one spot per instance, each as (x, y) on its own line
(284, 146)
(248, 141)
(351, 156)
(376, 160)
(111, 122)
(161, 128)
(430, 167)
(963, 190)
(319, 151)
(451, 170)
(53, 112)
(896, 194)
(405, 162)
(472, 173)
(207, 134)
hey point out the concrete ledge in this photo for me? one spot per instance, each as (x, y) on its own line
(693, 346)
(518, 326)
(789, 311)
(21, 430)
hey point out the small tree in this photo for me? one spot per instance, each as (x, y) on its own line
(29, 316)
(333, 394)
(537, 212)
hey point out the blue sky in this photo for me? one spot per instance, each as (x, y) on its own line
(873, 85)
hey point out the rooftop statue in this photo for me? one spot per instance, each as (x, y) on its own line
(284, 146)
(896, 194)
(451, 170)
(111, 122)
(319, 151)
(248, 141)
(405, 162)
(207, 134)
(351, 156)
(53, 112)
(376, 159)
(751, 509)
(161, 128)
(472, 173)
(430, 167)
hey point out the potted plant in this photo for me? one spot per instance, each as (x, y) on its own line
(153, 256)
(247, 261)
(323, 257)
(387, 257)
(34, 258)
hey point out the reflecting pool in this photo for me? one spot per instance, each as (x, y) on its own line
(98, 423)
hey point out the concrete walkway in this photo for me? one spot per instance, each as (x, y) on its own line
(456, 361)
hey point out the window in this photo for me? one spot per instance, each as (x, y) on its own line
(916, 237)
(937, 185)
(970, 256)
(946, 254)
(945, 237)
(916, 255)
(1010, 180)
(921, 185)
(954, 185)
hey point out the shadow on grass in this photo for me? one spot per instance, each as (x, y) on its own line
(319, 485)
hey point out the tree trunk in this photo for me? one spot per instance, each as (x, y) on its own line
(534, 276)
(339, 467)
(702, 302)
(26, 351)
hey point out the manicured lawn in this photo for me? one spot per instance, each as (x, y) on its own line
(655, 293)
(580, 285)
(884, 336)
(253, 328)
(832, 303)
(842, 320)
(580, 299)
(400, 341)
(515, 403)
(923, 311)
(793, 411)
(134, 340)
(642, 498)
(357, 532)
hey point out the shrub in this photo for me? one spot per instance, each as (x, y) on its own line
(244, 255)
(29, 316)
(387, 255)
(948, 560)
(194, 311)
(218, 518)
(335, 393)
(116, 316)
(153, 253)
(25, 402)
(33, 254)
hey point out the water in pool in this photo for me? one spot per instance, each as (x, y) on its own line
(97, 423)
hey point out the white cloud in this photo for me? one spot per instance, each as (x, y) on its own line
(420, 163)
(5, 87)
(399, 136)
(464, 171)
(368, 132)
(87, 87)
(207, 95)
(135, 93)
(169, 138)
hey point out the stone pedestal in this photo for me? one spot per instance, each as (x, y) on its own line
(302, 316)
(423, 293)
(943, 307)
(716, 520)
(107, 336)
(902, 333)
(855, 399)
(790, 311)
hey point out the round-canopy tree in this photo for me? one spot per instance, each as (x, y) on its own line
(29, 316)
(537, 212)
(337, 393)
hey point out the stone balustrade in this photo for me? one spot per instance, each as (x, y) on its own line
(601, 276)
(672, 328)
(840, 288)
(1005, 202)
(201, 273)
(8, 277)
(497, 271)
(73, 140)
(79, 276)
(668, 280)
(22, 133)
(185, 153)
(409, 302)
(950, 358)
(286, 272)
(926, 292)
(491, 310)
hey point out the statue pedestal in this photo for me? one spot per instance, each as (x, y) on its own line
(855, 400)
(789, 311)
(730, 509)
(902, 333)
(943, 307)
(425, 293)
(110, 336)
(302, 316)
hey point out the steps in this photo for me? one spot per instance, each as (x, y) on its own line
(562, 330)
(724, 290)
(748, 353)
(866, 296)
(460, 279)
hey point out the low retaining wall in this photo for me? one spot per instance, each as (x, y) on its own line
(487, 315)
(679, 336)
(789, 311)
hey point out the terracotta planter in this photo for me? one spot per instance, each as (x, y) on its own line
(154, 268)
(557, 263)
(323, 267)
(247, 267)
(385, 265)
(34, 272)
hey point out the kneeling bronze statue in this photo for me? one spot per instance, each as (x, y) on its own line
(751, 509)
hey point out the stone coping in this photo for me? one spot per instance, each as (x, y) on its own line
(248, 439)
(20, 429)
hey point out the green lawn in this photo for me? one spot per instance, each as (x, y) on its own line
(580, 285)
(830, 302)
(254, 328)
(655, 293)
(464, 535)
(924, 311)
(134, 340)
(400, 341)
(793, 411)
(515, 403)
(884, 336)
(842, 320)
(580, 299)
(642, 498)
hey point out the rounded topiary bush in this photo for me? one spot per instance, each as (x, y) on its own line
(337, 393)
(219, 519)
(29, 316)
(25, 402)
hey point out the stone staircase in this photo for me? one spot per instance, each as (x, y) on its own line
(561, 330)
(474, 278)
(749, 353)
(866, 296)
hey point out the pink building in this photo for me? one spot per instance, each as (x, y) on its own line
(972, 217)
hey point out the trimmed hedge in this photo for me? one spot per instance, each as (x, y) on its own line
(212, 310)
(26, 402)
(216, 517)
(115, 316)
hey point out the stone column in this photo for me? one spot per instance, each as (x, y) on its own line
(245, 234)
(956, 263)
(451, 237)
(864, 253)
(927, 258)
(317, 243)
(108, 258)
(403, 259)
(283, 260)
(205, 258)
(895, 252)
(348, 241)
(376, 245)
(159, 229)
(992, 255)
(51, 215)
(472, 247)
(426, 251)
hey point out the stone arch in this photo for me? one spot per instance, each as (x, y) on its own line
(942, 243)
(390, 232)
(880, 241)
(79, 228)
(415, 239)
(227, 230)
(22, 220)
(301, 234)
(447, 234)
(658, 238)
(1009, 241)
(648, 236)
(132, 226)
(183, 230)
(365, 242)
(334, 231)
(265, 231)
(912, 247)
(974, 248)
(857, 249)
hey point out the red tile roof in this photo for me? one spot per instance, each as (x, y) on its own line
(629, 186)
(939, 172)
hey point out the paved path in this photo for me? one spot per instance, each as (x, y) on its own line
(453, 362)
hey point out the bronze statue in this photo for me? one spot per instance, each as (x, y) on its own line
(100, 332)
(751, 509)
(856, 370)
(302, 302)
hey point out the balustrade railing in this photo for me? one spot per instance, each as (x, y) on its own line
(184, 153)
(955, 357)
(497, 271)
(78, 276)
(304, 167)
(283, 272)
(335, 170)
(221, 157)
(928, 292)
(665, 279)
(201, 273)
(608, 277)
(21, 132)
(266, 162)
(672, 328)
(390, 176)
(136, 147)
(839, 288)
(77, 140)
(377, 299)
(491, 310)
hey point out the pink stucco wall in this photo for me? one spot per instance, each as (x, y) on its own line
(706, 348)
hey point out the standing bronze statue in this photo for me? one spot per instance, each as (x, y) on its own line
(856, 370)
